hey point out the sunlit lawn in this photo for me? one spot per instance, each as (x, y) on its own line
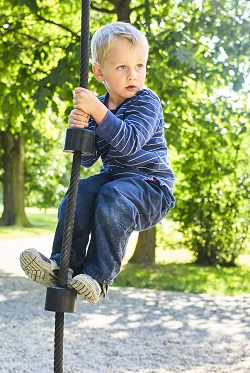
(187, 277)
(44, 222)
(174, 269)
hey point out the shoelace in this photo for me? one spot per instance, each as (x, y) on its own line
(104, 289)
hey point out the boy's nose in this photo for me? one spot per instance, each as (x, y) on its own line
(132, 75)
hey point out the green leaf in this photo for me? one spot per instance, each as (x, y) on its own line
(185, 57)
(238, 83)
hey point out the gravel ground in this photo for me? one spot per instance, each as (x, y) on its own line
(130, 331)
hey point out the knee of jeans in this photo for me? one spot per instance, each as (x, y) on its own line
(114, 208)
(62, 207)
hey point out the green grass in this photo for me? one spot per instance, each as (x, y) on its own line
(43, 222)
(187, 277)
(174, 271)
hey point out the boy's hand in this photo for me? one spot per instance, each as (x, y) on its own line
(78, 119)
(87, 102)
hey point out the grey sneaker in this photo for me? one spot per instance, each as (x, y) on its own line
(88, 288)
(40, 269)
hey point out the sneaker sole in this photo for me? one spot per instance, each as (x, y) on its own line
(85, 288)
(37, 269)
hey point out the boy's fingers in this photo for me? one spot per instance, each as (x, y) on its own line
(79, 116)
(79, 89)
(79, 112)
(77, 126)
(79, 119)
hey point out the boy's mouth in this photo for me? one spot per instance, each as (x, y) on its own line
(131, 87)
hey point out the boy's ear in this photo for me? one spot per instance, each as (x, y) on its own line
(97, 72)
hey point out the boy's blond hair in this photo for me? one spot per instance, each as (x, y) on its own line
(103, 39)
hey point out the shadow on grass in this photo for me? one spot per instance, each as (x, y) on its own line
(186, 277)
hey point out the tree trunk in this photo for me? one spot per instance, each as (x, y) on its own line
(122, 9)
(13, 181)
(145, 248)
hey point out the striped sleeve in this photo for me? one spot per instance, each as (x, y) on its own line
(128, 136)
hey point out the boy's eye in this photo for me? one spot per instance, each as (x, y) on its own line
(139, 66)
(122, 67)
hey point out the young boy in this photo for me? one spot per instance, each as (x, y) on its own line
(133, 191)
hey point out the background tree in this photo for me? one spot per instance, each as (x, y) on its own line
(30, 47)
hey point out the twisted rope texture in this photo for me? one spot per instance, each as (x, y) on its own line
(58, 342)
(84, 44)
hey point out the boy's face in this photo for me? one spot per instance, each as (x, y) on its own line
(123, 71)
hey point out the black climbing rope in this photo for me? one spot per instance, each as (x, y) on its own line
(65, 257)
(84, 45)
(60, 299)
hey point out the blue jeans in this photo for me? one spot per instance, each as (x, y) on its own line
(108, 210)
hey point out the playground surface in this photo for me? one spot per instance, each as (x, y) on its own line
(132, 330)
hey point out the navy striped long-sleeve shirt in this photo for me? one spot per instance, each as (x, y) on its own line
(131, 140)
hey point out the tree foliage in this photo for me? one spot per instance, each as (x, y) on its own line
(200, 56)
(213, 205)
